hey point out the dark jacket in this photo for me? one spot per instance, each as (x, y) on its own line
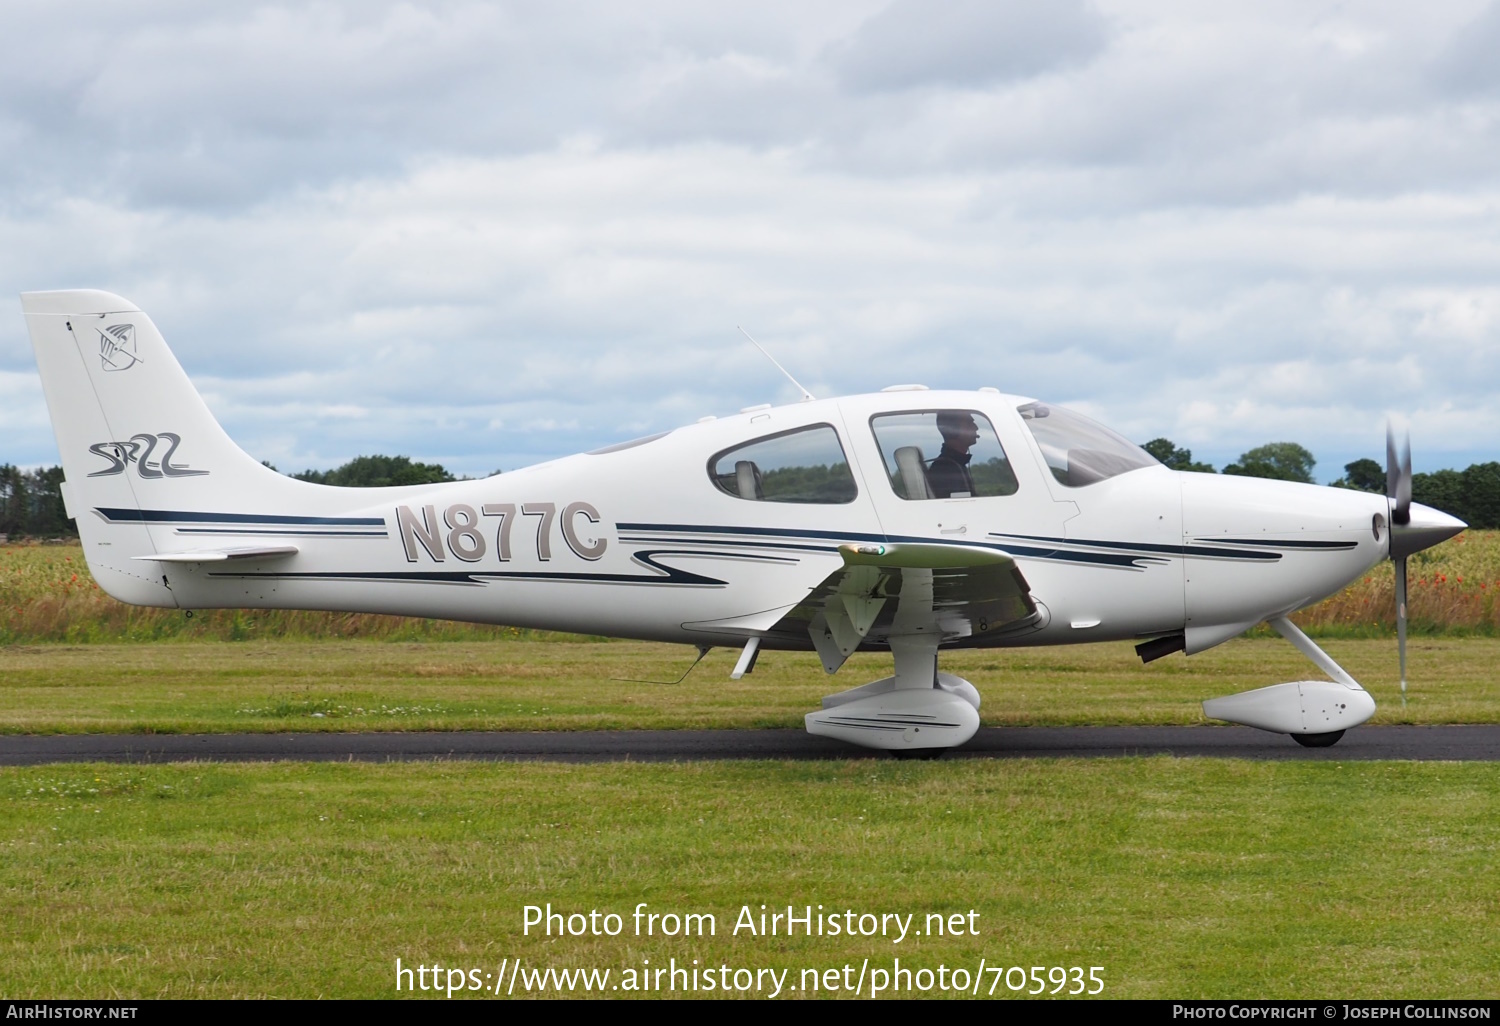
(948, 474)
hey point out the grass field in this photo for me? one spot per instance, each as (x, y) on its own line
(531, 684)
(1182, 878)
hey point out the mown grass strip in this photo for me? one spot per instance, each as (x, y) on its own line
(524, 684)
(1183, 878)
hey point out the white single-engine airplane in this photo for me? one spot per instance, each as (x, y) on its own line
(908, 520)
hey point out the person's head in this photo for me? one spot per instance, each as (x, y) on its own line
(958, 429)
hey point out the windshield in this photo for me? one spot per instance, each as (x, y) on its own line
(1080, 451)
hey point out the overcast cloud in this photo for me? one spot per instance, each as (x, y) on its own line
(489, 234)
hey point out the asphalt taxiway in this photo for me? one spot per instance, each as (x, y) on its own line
(1480, 743)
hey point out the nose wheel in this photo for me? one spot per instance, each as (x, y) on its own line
(1305, 709)
(1318, 740)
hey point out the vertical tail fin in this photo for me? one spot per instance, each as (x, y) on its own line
(136, 438)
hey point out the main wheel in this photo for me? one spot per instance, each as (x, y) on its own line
(1317, 740)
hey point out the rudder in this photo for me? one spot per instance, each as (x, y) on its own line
(134, 434)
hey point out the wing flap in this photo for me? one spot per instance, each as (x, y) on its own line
(949, 592)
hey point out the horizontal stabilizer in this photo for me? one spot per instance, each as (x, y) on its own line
(222, 555)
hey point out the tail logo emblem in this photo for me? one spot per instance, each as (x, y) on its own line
(138, 451)
(117, 347)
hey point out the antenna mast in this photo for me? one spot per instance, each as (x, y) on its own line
(807, 396)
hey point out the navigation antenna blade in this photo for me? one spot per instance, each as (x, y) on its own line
(807, 396)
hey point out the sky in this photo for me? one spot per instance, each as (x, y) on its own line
(492, 234)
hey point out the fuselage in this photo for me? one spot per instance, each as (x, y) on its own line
(704, 533)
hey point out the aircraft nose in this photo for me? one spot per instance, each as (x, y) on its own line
(1426, 528)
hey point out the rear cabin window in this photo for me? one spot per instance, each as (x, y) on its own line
(943, 454)
(807, 465)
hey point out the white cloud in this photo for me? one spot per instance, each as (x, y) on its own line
(967, 43)
(432, 228)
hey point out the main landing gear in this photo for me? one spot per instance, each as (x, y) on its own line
(918, 713)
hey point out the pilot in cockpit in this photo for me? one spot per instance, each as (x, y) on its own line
(948, 474)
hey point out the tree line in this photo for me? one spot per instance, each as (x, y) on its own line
(378, 472)
(1472, 494)
(31, 503)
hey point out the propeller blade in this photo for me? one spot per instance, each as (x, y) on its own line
(1398, 476)
(1402, 513)
(1392, 466)
(1401, 621)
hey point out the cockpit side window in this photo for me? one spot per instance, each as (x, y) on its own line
(807, 465)
(1080, 451)
(942, 454)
